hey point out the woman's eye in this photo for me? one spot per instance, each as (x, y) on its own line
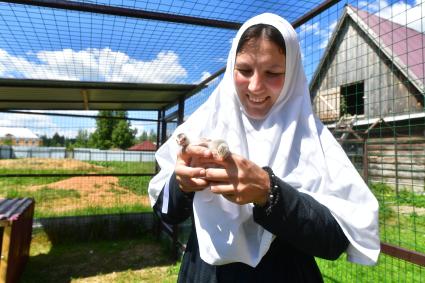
(273, 74)
(245, 72)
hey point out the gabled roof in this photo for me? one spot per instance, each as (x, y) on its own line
(401, 44)
(22, 133)
(144, 146)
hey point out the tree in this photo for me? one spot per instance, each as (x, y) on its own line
(112, 132)
(122, 135)
(57, 140)
(45, 141)
(144, 136)
(152, 135)
(7, 140)
(82, 139)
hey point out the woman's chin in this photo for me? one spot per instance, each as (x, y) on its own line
(256, 115)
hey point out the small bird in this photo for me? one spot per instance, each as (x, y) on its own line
(218, 147)
(182, 140)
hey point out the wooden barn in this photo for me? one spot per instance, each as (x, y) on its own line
(369, 90)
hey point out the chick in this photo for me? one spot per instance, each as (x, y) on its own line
(218, 147)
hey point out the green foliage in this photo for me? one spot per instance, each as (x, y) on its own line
(404, 196)
(152, 135)
(55, 140)
(411, 198)
(122, 135)
(143, 136)
(383, 194)
(112, 132)
(7, 141)
(82, 139)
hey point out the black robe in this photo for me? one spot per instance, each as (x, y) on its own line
(304, 228)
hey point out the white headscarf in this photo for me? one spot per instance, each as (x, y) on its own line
(295, 144)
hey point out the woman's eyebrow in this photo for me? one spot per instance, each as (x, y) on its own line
(242, 64)
(277, 67)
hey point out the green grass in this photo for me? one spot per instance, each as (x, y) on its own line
(386, 194)
(405, 229)
(120, 208)
(104, 199)
(136, 184)
(402, 229)
(123, 260)
(388, 269)
(43, 171)
(398, 227)
(44, 194)
(20, 183)
(125, 167)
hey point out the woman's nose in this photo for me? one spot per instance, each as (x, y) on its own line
(255, 83)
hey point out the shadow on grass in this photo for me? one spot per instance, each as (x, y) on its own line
(93, 260)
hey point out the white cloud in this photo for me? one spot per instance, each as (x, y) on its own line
(400, 12)
(93, 65)
(139, 127)
(305, 28)
(49, 125)
(39, 124)
(326, 34)
(204, 76)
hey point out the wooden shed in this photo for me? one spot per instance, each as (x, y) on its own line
(369, 90)
(372, 68)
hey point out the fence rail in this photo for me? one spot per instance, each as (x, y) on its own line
(83, 154)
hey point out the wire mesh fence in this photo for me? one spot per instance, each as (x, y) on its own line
(367, 88)
(70, 171)
(364, 61)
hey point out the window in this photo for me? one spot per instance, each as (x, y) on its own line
(352, 99)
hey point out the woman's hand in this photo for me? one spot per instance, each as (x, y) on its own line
(190, 167)
(240, 180)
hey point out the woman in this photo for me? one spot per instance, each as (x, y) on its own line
(285, 194)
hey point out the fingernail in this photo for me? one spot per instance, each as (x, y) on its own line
(203, 172)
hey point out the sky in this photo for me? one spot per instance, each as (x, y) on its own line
(66, 45)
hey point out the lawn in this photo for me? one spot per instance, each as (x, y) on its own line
(77, 195)
(402, 223)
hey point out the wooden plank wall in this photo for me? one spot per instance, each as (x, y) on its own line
(398, 162)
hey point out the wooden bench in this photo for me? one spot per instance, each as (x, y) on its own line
(16, 217)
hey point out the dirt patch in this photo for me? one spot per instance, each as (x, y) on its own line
(95, 191)
(47, 163)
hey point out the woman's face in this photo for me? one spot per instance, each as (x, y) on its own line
(259, 76)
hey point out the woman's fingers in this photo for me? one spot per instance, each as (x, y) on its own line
(216, 174)
(196, 151)
(189, 172)
(222, 188)
(192, 184)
